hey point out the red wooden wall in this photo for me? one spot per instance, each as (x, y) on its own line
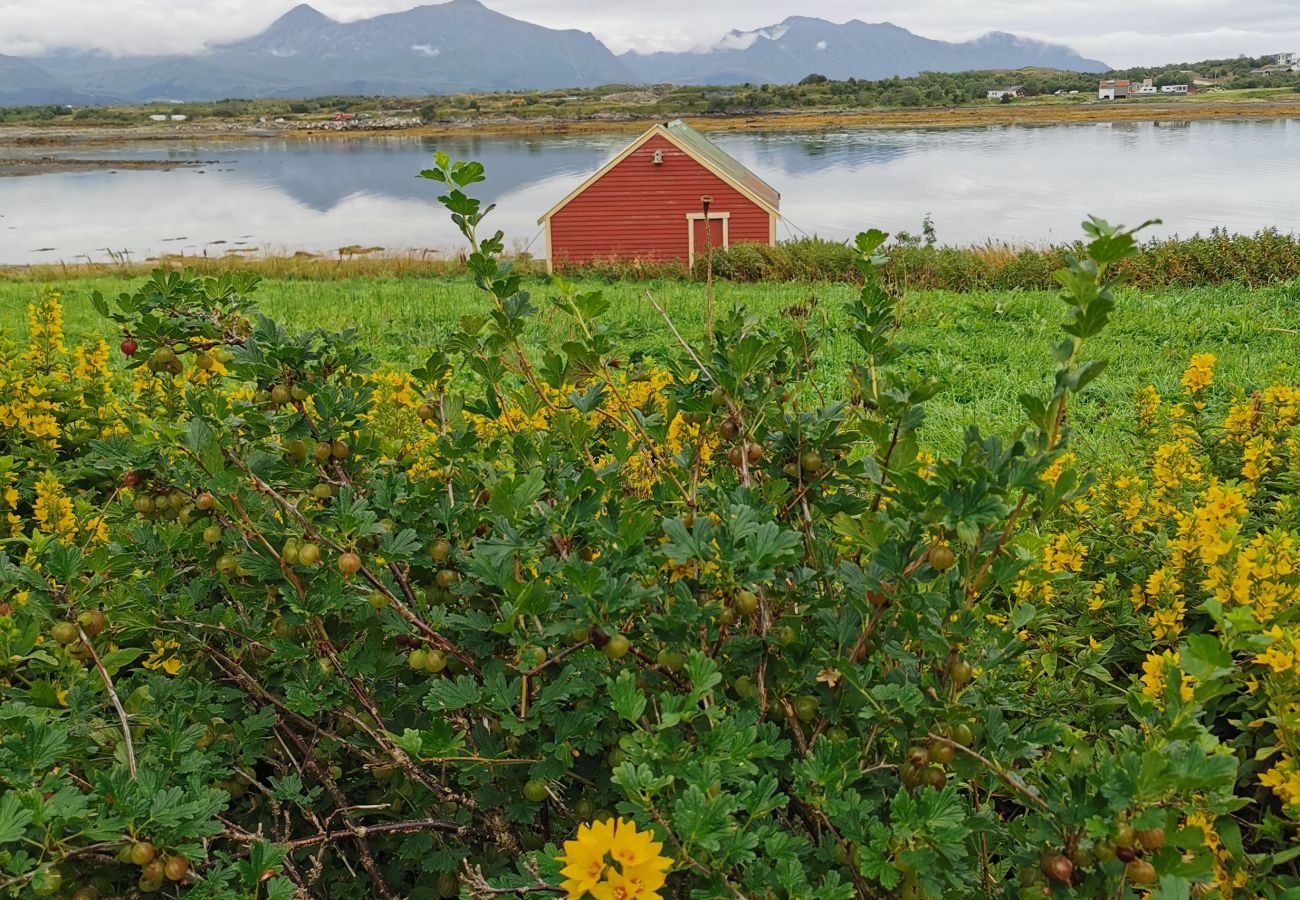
(638, 210)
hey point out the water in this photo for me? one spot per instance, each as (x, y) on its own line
(1011, 183)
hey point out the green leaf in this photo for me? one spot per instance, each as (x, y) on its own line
(446, 694)
(625, 697)
(1204, 658)
(14, 819)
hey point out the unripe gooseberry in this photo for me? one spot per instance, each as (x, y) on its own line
(142, 853)
(941, 557)
(1151, 838)
(92, 622)
(617, 647)
(1140, 871)
(746, 602)
(349, 563)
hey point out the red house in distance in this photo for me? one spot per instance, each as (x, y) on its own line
(649, 201)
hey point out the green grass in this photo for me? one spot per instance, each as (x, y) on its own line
(988, 347)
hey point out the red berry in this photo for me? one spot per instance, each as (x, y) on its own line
(129, 347)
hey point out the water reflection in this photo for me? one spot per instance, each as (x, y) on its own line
(1007, 182)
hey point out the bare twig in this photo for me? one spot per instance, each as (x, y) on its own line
(112, 695)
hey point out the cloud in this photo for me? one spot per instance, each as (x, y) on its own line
(426, 50)
(1139, 31)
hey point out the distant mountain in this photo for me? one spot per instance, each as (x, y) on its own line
(464, 46)
(799, 46)
(22, 83)
(450, 47)
(456, 46)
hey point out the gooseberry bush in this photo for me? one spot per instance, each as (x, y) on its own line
(277, 623)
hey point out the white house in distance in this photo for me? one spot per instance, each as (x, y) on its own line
(1016, 92)
(1146, 88)
(1175, 89)
(1114, 90)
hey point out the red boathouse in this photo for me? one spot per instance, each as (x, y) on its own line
(649, 202)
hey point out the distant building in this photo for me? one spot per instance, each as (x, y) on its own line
(343, 117)
(1147, 87)
(1015, 91)
(1175, 89)
(179, 118)
(1114, 90)
(158, 117)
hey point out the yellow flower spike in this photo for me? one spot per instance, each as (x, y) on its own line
(1199, 374)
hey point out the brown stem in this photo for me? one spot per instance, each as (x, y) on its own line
(552, 660)
(1003, 775)
(356, 832)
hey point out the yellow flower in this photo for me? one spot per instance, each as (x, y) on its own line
(584, 858)
(1052, 473)
(925, 464)
(1148, 401)
(1064, 554)
(612, 860)
(1284, 780)
(53, 510)
(162, 659)
(1199, 374)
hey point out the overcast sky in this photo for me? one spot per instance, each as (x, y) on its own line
(1123, 33)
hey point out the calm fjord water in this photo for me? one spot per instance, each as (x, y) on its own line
(1017, 184)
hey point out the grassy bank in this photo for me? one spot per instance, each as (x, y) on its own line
(988, 346)
(1266, 257)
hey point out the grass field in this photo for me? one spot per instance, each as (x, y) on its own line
(988, 347)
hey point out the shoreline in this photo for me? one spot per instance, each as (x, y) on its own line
(47, 165)
(788, 120)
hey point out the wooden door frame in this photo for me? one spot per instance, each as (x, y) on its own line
(692, 218)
